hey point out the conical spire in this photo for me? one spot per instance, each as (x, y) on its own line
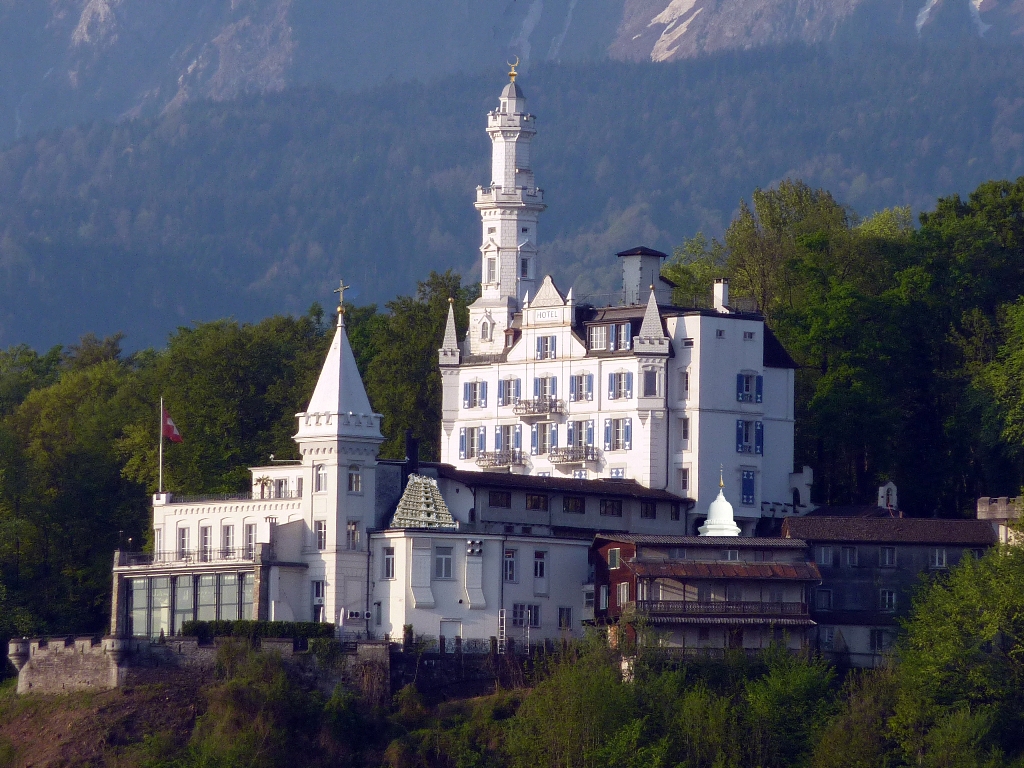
(339, 406)
(449, 353)
(652, 339)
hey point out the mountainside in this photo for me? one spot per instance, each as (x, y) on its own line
(258, 205)
(65, 61)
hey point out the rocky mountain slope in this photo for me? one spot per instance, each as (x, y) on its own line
(64, 61)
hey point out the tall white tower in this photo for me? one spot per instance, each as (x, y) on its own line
(509, 208)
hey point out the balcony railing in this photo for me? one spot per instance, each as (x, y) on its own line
(720, 608)
(573, 454)
(267, 494)
(539, 406)
(186, 557)
(500, 459)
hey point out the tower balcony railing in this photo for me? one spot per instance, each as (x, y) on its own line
(497, 193)
(539, 406)
(511, 458)
(572, 454)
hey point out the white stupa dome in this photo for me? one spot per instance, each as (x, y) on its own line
(720, 522)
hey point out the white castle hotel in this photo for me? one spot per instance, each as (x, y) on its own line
(561, 421)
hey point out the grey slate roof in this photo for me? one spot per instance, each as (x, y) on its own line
(888, 530)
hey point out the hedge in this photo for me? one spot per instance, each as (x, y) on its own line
(295, 630)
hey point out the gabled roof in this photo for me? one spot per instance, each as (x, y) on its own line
(548, 295)
(889, 530)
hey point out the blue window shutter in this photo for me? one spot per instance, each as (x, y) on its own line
(759, 437)
(573, 389)
(629, 385)
(540, 350)
(483, 394)
(628, 340)
(759, 394)
(519, 437)
(554, 386)
(570, 433)
(497, 439)
(551, 346)
(590, 432)
(748, 487)
(739, 387)
(462, 442)
(611, 386)
(554, 436)
(536, 387)
(611, 337)
(465, 395)
(501, 391)
(533, 440)
(590, 386)
(627, 436)
(739, 435)
(518, 393)
(482, 439)
(607, 434)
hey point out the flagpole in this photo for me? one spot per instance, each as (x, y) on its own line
(161, 482)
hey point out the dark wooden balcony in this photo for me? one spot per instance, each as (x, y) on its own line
(721, 608)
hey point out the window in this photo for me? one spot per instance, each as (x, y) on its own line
(281, 488)
(749, 436)
(732, 555)
(622, 593)
(581, 387)
(320, 478)
(650, 380)
(499, 499)
(618, 434)
(749, 387)
(823, 556)
(525, 230)
(509, 565)
(747, 482)
(748, 335)
(537, 501)
(543, 437)
(472, 442)
(474, 394)
(826, 637)
(355, 479)
(298, 487)
(848, 557)
(823, 599)
(545, 387)
(580, 434)
(720, 333)
(620, 386)
(509, 391)
(205, 543)
(674, 513)
(684, 384)
(684, 480)
(684, 432)
(611, 507)
(491, 230)
(378, 614)
(573, 505)
(227, 541)
(524, 268)
(879, 641)
(539, 563)
(524, 614)
(887, 557)
(603, 605)
(598, 337)
(183, 543)
(887, 599)
(507, 438)
(623, 335)
(546, 346)
(352, 535)
(733, 593)
(937, 558)
(565, 614)
(648, 510)
(250, 541)
(687, 342)
(613, 557)
(443, 563)
(388, 570)
(492, 273)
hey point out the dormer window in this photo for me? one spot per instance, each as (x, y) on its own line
(598, 337)
(485, 331)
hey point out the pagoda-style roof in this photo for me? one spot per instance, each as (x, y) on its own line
(422, 506)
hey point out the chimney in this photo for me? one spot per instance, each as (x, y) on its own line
(721, 294)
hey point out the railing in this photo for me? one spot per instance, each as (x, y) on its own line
(500, 459)
(723, 607)
(574, 454)
(539, 406)
(267, 495)
(499, 191)
(186, 557)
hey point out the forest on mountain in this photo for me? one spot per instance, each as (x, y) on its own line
(255, 205)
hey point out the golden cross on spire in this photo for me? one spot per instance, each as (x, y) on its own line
(512, 70)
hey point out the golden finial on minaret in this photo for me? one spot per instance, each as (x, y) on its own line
(512, 70)
(721, 476)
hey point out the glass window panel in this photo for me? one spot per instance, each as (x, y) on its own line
(229, 596)
(184, 601)
(248, 580)
(160, 613)
(138, 591)
(207, 604)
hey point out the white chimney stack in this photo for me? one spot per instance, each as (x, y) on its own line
(721, 294)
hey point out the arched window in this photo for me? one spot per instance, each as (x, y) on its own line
(320, 478)
(485, 330)
(355, 479)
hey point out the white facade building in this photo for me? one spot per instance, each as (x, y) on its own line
(643, 390)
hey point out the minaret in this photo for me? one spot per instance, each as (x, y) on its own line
(509, 208)
(720, 520)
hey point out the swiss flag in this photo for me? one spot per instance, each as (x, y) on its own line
(169, 430)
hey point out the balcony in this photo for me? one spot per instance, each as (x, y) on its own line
(490, 459)
(264, 494)
(539, 406)
(574, 454)
(184, 558)
(721, 608)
